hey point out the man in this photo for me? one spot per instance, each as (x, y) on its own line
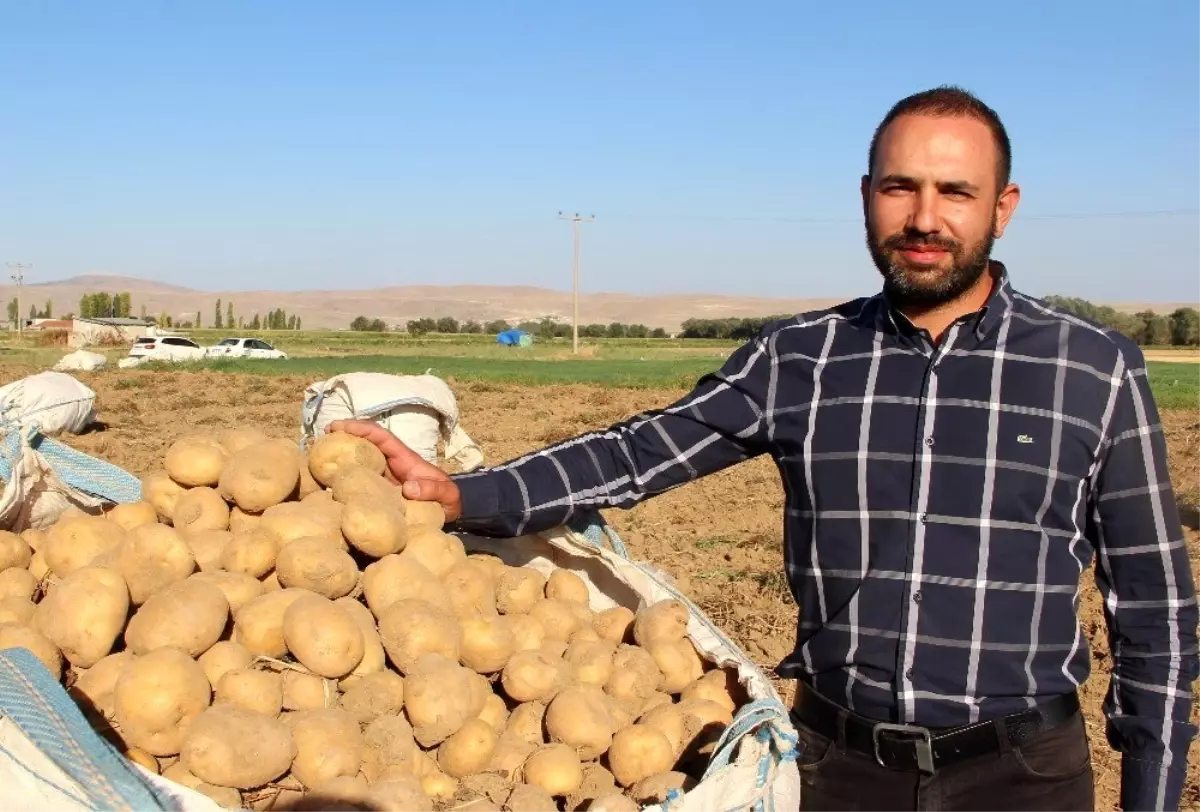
(954, 454)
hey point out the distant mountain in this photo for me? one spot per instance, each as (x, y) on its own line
(397, 304)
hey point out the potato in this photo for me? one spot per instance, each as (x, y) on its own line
(471, 590)
(591, 662)
(270, 582)
(670, 721)
(713, 686)
(438, 787)
(157, 697)
(402, 793)
(679, 662)
(597, 783)
(200, 509)
(438, 551)
(388, 747)
(555, 768)
(260, 691)
(142, 759)
(374, 695)
(195, 461)
(93, 689)
(487, 643)
(13, 635)
(584, 635)
(526, 798)
(207, 547)
(237, 587)
(635, 676)
(233, 747)
(428, 515)
(33, 537)
(638, 752)
(510, 756)
(17, 583)
(240, 521)
(318, 566)
(526, 722)
(259, 624)
(150, 557)
(374, 659)
(704, 722)
(323, 637)
(226, 797)
(189, 615)
(328, 745)
(132, 515)
(16, 609)
(556, 617)
(251, 552)
(373, 526)
(615, 624)
(468, 750)
(337, 450)
(73, 542)
(532, 676)
(438, 697)
(578, 717)
(613, 802)
(223, 657)
(260, 476)
(293, 520)
(14, 551)
(85, 614)
(527, 632)
(39, 568)
(410, 629)
(660, 622)
(353, 482)
(162, 492)
(394, 578)
(567, 586)
(656, 789)
(307, 691)
(234, 440)
(494, 712)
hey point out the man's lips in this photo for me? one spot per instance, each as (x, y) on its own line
(923, 254)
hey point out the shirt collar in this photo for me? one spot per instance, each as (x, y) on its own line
(887, 317)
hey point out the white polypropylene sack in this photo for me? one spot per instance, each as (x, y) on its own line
(419, 409)
(82, 360)
(55, 401)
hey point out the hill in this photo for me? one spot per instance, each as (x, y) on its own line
(396, 305)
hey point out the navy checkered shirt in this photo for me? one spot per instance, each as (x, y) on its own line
(942, 501)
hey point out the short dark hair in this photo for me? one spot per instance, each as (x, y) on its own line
(949, 100)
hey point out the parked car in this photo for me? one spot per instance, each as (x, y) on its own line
(243, 348)
(165, 348)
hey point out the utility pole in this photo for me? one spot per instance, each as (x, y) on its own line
(19, 277)
(575, 221)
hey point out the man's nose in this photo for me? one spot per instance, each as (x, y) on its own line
(925, 216)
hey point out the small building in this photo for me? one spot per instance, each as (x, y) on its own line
(113, 332)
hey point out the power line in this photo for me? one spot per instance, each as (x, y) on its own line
(575, 221)
(834, 220)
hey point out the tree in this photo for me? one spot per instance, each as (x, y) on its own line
(229, 316)
(545, 329)
(637, 331)
(13, 307)
(1185, 327)
(255, 323)
(49, 310)
(471, 327)
(33, 311)
(615, 330)
(658, 332)
(126, 308)
(291, 325)
(419, 327)
(198, 319)
(360, 323)
(447, 324)
(143, 313)
(297, 322)
(1154, 330)
(217, 315)
(495, 327)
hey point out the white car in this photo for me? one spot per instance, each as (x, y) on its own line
(166, 348)
(243, 348)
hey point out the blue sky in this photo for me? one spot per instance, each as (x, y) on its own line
(352, 144)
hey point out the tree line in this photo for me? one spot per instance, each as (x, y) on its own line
(1181, 328)
(546, 328)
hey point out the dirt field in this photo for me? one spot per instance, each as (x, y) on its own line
(728, 557)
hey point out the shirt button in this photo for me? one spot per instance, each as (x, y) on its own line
(917, 597)
(929, 442)
(908, 674)
(924, 518)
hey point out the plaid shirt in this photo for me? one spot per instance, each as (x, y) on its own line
(942, 501)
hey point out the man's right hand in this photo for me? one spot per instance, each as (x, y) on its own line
(419, 480)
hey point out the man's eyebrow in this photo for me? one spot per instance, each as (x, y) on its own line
(942, 186)
(903, 180)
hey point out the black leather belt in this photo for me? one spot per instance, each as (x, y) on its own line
(911, 747)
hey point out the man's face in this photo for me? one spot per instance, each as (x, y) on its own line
(933, 208)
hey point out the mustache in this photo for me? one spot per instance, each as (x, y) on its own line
(910, 240)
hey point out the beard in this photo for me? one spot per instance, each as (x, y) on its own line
(908, 283)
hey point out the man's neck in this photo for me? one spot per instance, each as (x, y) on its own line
(936, 319)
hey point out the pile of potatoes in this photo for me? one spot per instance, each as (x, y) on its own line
(281, 630)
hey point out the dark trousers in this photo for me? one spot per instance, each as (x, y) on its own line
(1052, 772)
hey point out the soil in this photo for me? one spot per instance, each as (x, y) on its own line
(720, 537)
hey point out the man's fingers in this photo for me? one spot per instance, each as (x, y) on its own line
(430, 490)
(399, 456)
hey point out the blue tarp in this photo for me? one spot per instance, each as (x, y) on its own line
(513, 338)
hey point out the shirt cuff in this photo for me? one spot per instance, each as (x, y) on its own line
(479, 497)
(1150, 785)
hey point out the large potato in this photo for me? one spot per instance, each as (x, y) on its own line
(251, 552)
(162, 492)
(374, 526)
(17, 583)
(233, 747)
(152, 556)
(223, 657)
(471, 589)
(307, 691)
(93, 688)
(337, 450)
(355, 482)
(259, 476)
(295, 520)
(374, 659)
(317, 565)
(132, 515)
(195, 460)
(440, 696)
(307, 485)
(518, 589)
(189, 615)
(234, 440)
(13, 635)
(579, 717)
(14, 551)
(155, 698)
(328, 745)
(487, 643)
(395, 578)
(237, 587)
(85, 613)
(411, 629)
(199, 509)
(260, 691)
(207, 547)
(438, 551)
(240, 520)
(75, 541)
(322, 637)
(259, 624)
(378, 694)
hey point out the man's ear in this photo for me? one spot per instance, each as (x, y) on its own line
(865, 188)
(1006, 206)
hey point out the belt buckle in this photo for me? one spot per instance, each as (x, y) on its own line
(923, 743)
